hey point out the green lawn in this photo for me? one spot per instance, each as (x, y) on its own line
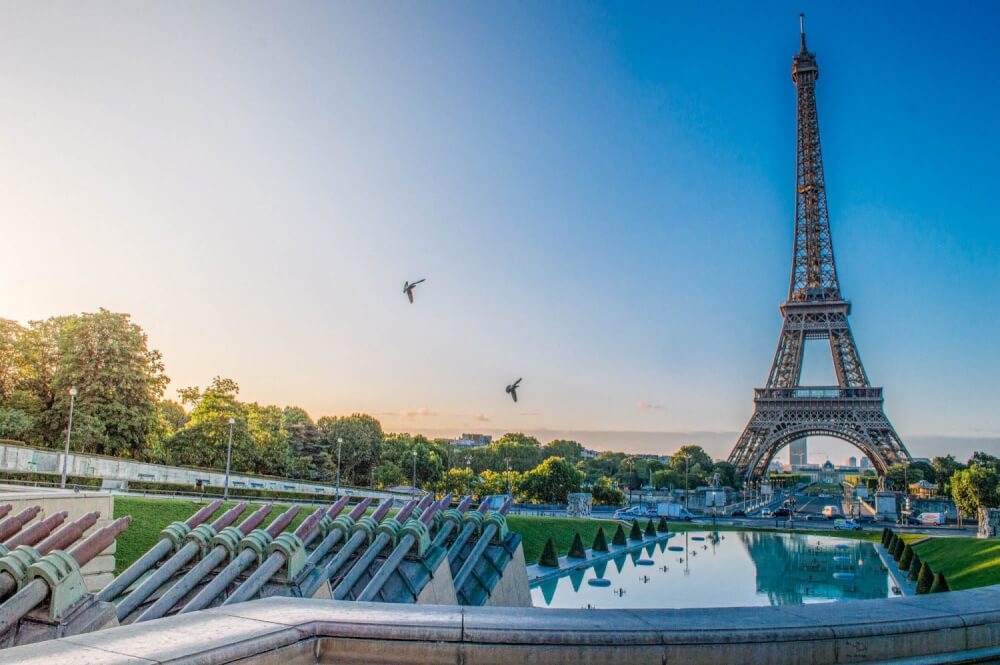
(965, 562)
(536, 530)
(149, 516)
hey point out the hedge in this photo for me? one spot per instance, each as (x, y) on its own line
(216, 490)
(635, 533)
(906, 558)
(925, 580)
(50, 478)
(619, 537)
(940, 584)
(662, 526)
(549, 558)
(914, 568)
(650, 529)
(600, 541)
(576, 550)
(886, 536)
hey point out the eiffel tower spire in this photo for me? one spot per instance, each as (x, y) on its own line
(784, 410)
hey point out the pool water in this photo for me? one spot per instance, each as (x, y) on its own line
(725, 569)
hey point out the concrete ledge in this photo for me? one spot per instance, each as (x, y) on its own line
(934, 628)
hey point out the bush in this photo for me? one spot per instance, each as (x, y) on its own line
(925, 580)
(549, 558)
(914, 568)
(635, 533)
(576, 550)
(886, 536)
(600, 541)
(619, 537)
(906, 558)
(217, 490)
(662, 526)
(940, 584)
(49, 478)
(650, 529)
(896, 550)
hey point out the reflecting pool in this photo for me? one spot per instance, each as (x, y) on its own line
(725, 569)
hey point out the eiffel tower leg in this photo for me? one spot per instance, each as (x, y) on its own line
(846, 359)
(787, 364)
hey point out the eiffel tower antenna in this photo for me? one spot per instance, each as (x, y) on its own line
(815, 309)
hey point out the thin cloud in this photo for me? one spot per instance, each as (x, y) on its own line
(422, 412)
(646, 406)
(482, 418)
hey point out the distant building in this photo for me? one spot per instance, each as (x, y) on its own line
(866, 463)
(587, 453)
(852, 461)
(798, 453)
(472, 441)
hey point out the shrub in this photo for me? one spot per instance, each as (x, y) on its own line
(635, 533)
(925, 579)
(906, 558)
(940, 584)
(662, 526)
(897, 548)
(50, 478)
(650, 529)
(619, 537)
(576, 550)
(600, 541)
(886, 536)
(549, 558)
(914, 568)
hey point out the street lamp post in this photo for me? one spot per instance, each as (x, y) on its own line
(687, 488)
(69, 429)
(414, 472)
(229, 458)
(507, 460)
(340, 442)
(468, 477)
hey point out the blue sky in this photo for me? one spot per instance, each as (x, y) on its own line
(599, 195)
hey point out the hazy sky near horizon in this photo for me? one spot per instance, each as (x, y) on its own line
(599, 195)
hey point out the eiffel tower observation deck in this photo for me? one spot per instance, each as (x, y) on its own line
(785, 410)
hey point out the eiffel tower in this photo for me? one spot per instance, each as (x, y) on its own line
(785, 411)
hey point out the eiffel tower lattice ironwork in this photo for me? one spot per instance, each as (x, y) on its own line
(785, 410)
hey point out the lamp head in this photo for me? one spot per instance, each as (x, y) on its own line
(72, 391)
(232, 421)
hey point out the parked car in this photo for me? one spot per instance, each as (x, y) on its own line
(632, 511)
(866, 519)
(780, 512)
(807, 516)
(766, 513)
(846, 525)
(739, 512)
(832, 512)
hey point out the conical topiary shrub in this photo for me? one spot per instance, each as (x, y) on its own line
(662, 525)
(549, 558)
(939, 584)
(914, 570)
(905, 558)
(635, 533)
(925, 579)
(897, 548)
(650, 529)
(600, 541)
(576, 550)
(619, 537)
(886, 536)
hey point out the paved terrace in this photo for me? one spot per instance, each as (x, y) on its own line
(961, 626)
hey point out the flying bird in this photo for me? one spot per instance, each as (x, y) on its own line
(408, 288)
(512, 389)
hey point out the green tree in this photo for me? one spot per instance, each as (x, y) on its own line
(668, 479)
(361, 450)
(388, 474)
(903, 475)
(551, 481)
(15, 424)
(728, 475)
(944, 468)
(571, 451)
(458, 481)
(604, 494)
(697, 456)
(974, 488)
(523, 451)
(399, 449)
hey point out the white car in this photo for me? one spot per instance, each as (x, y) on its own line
(846, 525)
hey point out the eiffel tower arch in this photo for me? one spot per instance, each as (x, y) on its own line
(784, 410)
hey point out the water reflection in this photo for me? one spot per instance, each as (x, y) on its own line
(705, 569)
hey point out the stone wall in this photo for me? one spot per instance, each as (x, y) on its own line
(100, 570)
(41, 460)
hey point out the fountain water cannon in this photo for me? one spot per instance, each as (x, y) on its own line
(451, 518)
(196, 542)
(14, 566)
(414, 539)
(495, 526)
(37, 532)
(4, 509)
(57, 577)
(252, 549)
(225, 547)
(473, 520)
(385, 533)
(12, 525)
(171, 539)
